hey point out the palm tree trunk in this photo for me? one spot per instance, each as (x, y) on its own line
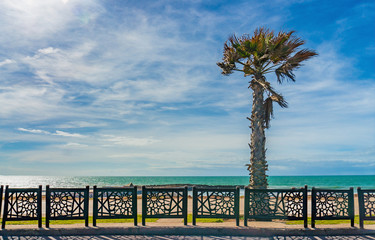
(258, 164)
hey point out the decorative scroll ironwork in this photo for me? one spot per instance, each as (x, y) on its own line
(113, 203)
(330, 204)
(216, 202)
(67, 203)
(22, 204)
(366, 200)
(263, 204)
(164, 203)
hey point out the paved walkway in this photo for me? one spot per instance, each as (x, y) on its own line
(177, 237)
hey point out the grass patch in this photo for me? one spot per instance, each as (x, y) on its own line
(327, 222)
(98, 221)
(205, 220)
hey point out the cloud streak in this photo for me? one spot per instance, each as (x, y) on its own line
(137, 87)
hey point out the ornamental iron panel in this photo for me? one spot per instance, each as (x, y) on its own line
(115, 203)
(268, 204)
(216, 202)
(164, 203)
(22, 204)
(67, 204)
(328, 204)
(366, 203)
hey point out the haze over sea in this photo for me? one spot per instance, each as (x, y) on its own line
(335, 182)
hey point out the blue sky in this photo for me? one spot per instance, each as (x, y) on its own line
(131, 88)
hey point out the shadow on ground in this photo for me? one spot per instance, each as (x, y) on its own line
(167, 237)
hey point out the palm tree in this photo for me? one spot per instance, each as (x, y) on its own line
(255, 56)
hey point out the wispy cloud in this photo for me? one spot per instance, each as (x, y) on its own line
(137, 87)
(57, 133)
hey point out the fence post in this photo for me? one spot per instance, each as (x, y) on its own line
(1, 196)
(134, 206)
(144, 205)
(6, 202)
(361, 207)
(237, 205)
(185, 205)
(39, 210)
(48, 205)
(95, 206)
(313, 207)
(305, 196)
(246, 207)
(195, 205)
(351, 206)
(87, 200)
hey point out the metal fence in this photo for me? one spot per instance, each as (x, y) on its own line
(115, 203)
(164, 202)
(216, 202)
(67, 204)
(22, 204)
(328, 204)
(268, 204)
(366, 202)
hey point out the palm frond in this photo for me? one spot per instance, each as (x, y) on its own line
(268, 111)
(285, 71)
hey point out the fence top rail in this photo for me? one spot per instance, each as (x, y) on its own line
(23, 189)
(115, 188)
(67, 189)
(227, 188)
(165, 189)
(276, 190)
(366, 190)
(332, 190)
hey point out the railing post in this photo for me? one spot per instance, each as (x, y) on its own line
(361, 206)
(246, 207)
(305, 197)
(1, 197)
(39, 210)
(351, 206)
(313, 207)
(195, 205)
(185, 205)
(48, 205)
(6, 202)
(95, 206)
(86, 203)
(237, 205)
(144, 205)
(134, 205)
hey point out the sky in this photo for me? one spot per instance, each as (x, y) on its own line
(131, 88)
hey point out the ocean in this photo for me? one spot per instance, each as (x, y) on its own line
(332, 182)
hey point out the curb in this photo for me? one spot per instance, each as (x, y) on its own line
(184, 231)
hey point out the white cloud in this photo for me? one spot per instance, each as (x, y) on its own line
(49, 50)
(129, 141)
(66, 134)
(6, 61)
(33, 130)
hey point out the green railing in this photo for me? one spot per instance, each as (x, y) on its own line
(216, 202)
(67, 204)
(1, 197)
(115, 203)
(366, 202)
(164, 203)
(328, 204)
(269, 204)
(22, 204)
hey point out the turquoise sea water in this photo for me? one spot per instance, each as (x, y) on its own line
(335, 182)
